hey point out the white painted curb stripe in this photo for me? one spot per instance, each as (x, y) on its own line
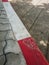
(17, 25)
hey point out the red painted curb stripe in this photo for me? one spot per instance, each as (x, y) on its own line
(31, 52)
(4, 0)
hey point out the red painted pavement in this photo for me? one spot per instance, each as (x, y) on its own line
(31, 52)
(4, 0)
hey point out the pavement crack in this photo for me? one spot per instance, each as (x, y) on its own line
(4, 49)
(5, 53)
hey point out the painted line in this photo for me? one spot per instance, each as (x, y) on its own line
(27, 44)
(19, 29)
(31, 52)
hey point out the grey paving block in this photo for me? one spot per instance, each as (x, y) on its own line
(38, 36)
(2, 35)
(10, 35)
(23, 7)
(2, 60)
(1, 47)
(31, 16)
(4, 21)
(33, 13)
(12, 46)
(13, 59)
(1, 5)
(42, 24)
(2, 11)
(3, 16)
(5, 27)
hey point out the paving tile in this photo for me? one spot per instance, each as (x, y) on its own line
(12, 46)
(2, 8)
(1, 5)
(10, 35)
(2, 11)
(33, 13)
(13, 59)
(42, 24)
(2, 35)
(2, 60)
(23, 7)
(31, 16)
(3, 16)
(1, 47)
(5, 27)
(4, 21)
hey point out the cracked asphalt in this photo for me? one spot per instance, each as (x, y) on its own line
(10, 53)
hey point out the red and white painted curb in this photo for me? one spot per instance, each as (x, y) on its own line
(31, 52)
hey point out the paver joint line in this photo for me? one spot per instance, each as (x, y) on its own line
(35, 19)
